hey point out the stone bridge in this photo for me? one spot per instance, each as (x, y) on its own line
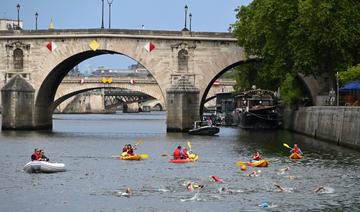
(198, 58)
(71, 86)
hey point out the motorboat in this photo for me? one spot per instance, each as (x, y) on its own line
(44, 167)
(202, 128)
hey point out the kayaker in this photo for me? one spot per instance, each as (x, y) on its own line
(178, 153)
(42, 156)
(36, 155)
(256, 156)
(130, 150)
(185, 154)
(296, 150)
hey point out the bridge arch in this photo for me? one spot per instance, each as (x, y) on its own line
(202, 55)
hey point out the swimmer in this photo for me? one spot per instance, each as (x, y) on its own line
(319, 189)
(284, 169)
(190, 186)
(252, 174)
(280, 189)
(217, 179)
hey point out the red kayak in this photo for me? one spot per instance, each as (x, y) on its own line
(191, 159)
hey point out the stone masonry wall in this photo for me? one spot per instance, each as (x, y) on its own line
(340, 125)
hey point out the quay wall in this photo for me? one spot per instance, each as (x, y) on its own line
(340, 125)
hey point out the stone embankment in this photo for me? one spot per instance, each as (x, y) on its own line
(340, 125)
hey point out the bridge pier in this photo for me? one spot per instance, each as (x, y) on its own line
(182, 106)
(17, 98)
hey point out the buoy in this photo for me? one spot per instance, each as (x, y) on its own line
(243, 167)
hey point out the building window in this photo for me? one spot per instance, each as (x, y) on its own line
(18, 59)
(183, 60)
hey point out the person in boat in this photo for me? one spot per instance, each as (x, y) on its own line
(178, 154)
(35, 155)
(319, 189)
(256, 156)
(128, 149)
(296, 150)
(42, 156)
(185, 154)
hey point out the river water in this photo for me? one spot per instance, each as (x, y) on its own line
(94, 180)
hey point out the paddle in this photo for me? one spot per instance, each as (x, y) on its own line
(144, 156)
(189, 145)
(287, 146)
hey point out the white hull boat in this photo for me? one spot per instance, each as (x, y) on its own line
(43, 166)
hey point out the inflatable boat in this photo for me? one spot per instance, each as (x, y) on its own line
(44, 167)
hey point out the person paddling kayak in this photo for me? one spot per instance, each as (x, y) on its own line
(178, 154)
(296, 150)
(256, 156)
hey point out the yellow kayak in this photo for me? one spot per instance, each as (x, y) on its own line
(130, 157)
(295, 156)
(260, 163)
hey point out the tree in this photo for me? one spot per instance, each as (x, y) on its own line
(306, 36)
(351, 74)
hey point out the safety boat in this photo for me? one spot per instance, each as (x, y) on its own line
(192, 158)
(202, 128)
(260, 163)
(295, 156)
(43, 167)
(130, 157)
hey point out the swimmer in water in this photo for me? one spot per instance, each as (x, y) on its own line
(280, 189)
(319, 189)
(252, 174)
(190, 186)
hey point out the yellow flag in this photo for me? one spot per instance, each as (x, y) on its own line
(94, 45)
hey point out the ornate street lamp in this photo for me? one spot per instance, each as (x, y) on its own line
(102, 14)
(18, 18)
(110, 2)
(186, 9)
(36, 20)
(190, 17)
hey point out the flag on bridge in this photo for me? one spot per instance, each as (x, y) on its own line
(51, 46)
(132, 81)
(149, 46)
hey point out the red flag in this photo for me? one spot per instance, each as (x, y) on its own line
(82, 81)
(217, 82)
(132, 81)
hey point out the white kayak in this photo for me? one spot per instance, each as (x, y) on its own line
(43, 166)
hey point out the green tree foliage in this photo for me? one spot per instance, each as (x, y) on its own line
(352, 74)
(289, 91)
(292, 36)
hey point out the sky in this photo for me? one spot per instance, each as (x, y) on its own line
(207, 16)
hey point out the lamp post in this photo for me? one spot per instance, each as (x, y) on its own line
(36, 20)
(110, 2)
(18, 18)
(186, 9)
(337, 88)
(102, 14)
(190, 17)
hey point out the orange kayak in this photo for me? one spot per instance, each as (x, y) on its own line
(130, 157)
(260, 163)
(295, 156)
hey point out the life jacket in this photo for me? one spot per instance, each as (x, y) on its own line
(35, 156)
(185, 154)
(296, 150)
(177, 154)
(124, 149)
(256, 157)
